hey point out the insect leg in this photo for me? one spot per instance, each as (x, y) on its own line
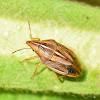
(29, 59)
(58, 76)
(36, 69)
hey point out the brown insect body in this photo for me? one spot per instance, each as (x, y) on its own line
(56, 56)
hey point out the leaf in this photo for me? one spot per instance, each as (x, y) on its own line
(84, 41)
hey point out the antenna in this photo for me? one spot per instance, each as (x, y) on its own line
(31, 33)
(20, 50)
(30, 30)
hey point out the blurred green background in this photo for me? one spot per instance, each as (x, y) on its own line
(74, 23)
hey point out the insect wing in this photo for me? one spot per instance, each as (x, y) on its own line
(64, 62)
(57, 67)
(76, 68)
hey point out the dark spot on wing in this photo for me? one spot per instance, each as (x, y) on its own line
(71, 69)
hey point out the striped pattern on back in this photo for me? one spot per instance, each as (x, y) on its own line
(48, 50)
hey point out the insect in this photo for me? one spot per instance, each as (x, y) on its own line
(55, 56)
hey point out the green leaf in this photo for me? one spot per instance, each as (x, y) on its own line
(72, 29)
(17, 75)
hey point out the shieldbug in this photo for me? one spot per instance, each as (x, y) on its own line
(55, 56)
